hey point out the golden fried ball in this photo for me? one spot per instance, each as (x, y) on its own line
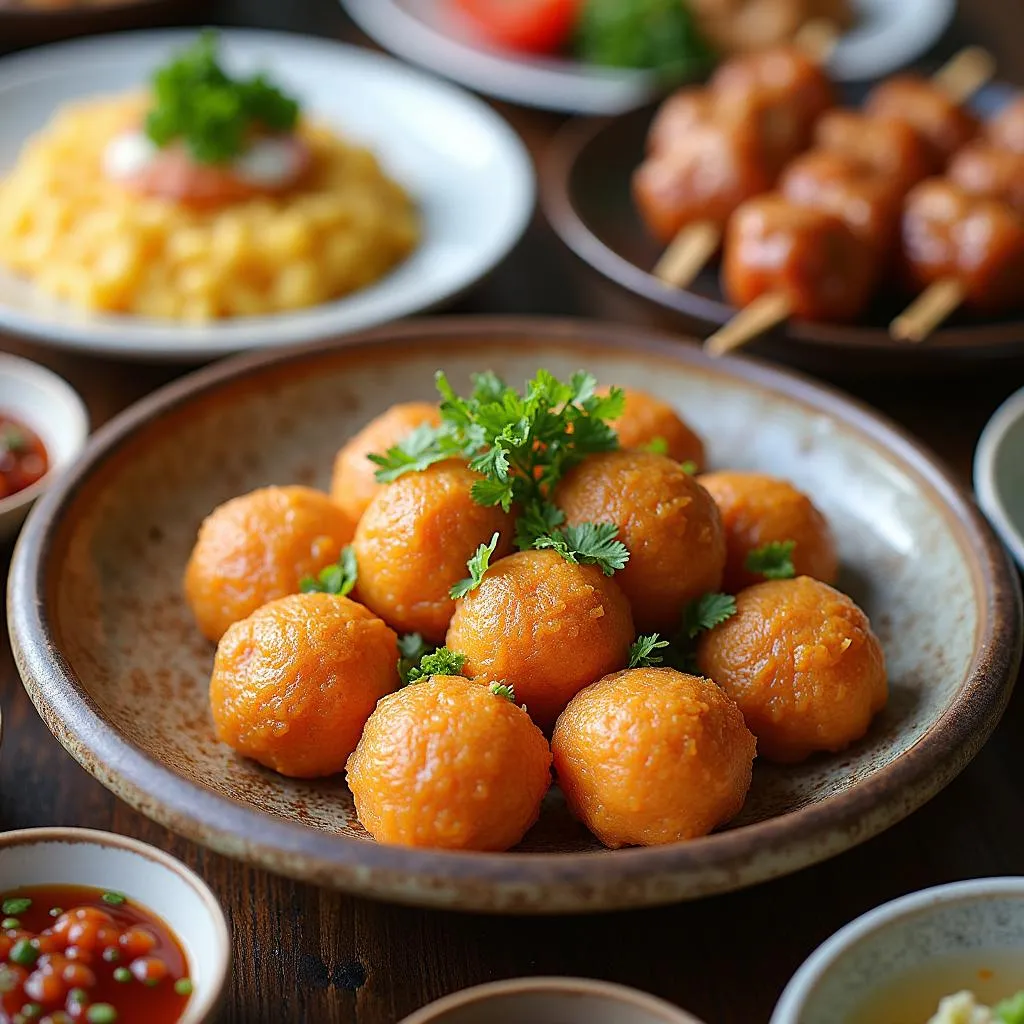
(648, 420)
(670, 524)
(256, 548)
(651, 755)
(756, 509)
(800, 660)
(544, 625)
(353, 484)
(414, 540)
(446, 763)
(294, 683)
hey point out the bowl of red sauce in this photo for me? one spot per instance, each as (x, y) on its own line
(97, 928)
(43, 427)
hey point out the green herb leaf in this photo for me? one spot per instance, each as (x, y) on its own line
(213, 114)
(1010, 1011)
(477, 566)
(183, 986)
(689, 467)
(338, 578)
(115, 899)
(16, 905)
(705, 613)
(423, 447)
(506, 690)
(588, 544)
(773, 560)
(13, 439)
(411, 649)
(641, 654)
(537, 520)
(441, 662)
(656, 445)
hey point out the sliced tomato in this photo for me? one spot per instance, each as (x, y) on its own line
(532, 26)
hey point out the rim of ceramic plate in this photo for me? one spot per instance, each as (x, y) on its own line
(986, 483)
(203, 1008)
(832, 950)
(519, 882)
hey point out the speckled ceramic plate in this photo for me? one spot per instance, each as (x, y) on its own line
(117, 669)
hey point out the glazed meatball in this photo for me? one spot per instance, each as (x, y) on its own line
(648, 420)
(353, 484)
(669, 523)
(544, 625)
(294, 683)
(447, 763)
(800, 660)
(651, 755)
(757, 509)
(414, 540)
(256, 548)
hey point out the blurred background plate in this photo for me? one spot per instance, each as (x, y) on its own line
(888, 35)
(586, 193)
(999, 473)
(464, 166)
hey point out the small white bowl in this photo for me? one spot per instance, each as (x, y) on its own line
(999, 473)
(550, 1001)
(979, 918)
(50, 406)
(77, 856)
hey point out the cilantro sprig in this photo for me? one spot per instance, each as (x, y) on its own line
(440, 662)
(521, 444)
(699, 616)
(477, 566)
(773, 560)
(338, 578)
(197, 102)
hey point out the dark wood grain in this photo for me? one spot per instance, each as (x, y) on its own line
(304, 955)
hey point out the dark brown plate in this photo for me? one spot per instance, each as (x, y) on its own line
(115, 664)
(586, 195)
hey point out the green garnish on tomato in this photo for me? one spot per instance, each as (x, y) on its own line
(197, 103)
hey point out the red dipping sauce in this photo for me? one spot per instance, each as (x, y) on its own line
(23, 458)
(72, 954)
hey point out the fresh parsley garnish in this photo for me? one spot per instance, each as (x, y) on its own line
(588, 544)
(338, 578)
(477, 566)
(214, 115)
(522, 444)
(506, 690)
(1010, 1011)
(641, 654)
(657, 445)
(411, 648)
(689, 467)
(705, 613)
(441, 662)
(773, 561)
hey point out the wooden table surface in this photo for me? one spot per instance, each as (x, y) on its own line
(307, 955)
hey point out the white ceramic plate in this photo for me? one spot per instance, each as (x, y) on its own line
(462, 163)
(999, 473)
(888, 35)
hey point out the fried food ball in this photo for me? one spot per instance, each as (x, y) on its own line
(651, 755)
(256, 548)
(414, 540)
(670, 524)
(544, 625)
(757, 509)
(353, 484)
(800, 660)
(294, 683)
(446, 763)
(648, 420)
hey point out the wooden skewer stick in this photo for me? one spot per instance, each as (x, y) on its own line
(965, 73)
(927, 311)
(689, 252)
(764, 313)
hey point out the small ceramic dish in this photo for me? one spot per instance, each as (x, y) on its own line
(887, 35)
(999, 473)
(111, 656)
(550, 1001)
(50, 407)
(586, 190)
(77, 856)
(917, 949)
